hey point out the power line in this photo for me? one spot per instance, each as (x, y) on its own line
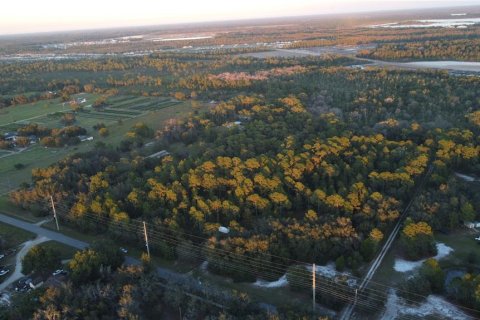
(247, 263)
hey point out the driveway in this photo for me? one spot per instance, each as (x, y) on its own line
(17, 273)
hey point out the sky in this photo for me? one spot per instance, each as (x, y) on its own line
(27, 16)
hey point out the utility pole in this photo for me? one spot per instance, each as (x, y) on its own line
(54, 213)
(146, 238)
(313, 286)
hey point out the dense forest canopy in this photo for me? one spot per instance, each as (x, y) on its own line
(301, 160)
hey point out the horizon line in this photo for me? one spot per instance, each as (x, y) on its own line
(206, 22)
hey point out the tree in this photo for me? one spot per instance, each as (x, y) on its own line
(417, 240)
(109, 253)
(85, 266)
(431, 271)
(68, 119)
(40, 259)
(467, 212)
(103, 132)
(22, 141)
(415, 288)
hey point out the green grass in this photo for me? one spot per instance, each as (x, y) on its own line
(66, 252)
(38, 156)
(276, 296)
(463, 243)
(33, 111)
(385, 273)
(8, 208)
(15, 236)
(71, 232)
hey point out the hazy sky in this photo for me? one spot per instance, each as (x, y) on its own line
(21, 16)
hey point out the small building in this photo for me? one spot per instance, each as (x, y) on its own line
(10, 136)
(33, 139)
(150, 144)
(224, 230)
(36, 283)
(358, 66)
(85, 138)
(159, 155)
(472, 224)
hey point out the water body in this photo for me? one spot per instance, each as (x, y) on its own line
(431, 23)
(447, 65)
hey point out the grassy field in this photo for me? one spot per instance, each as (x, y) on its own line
(10, 209)
(151, 110)
(33, 112)
(463, 244)
(66, 252)
(14, 236)
(461, 241)
(277, 296)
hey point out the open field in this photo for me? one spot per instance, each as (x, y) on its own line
(463, 244)
(14, 236)
(15, 116)
(152, 111)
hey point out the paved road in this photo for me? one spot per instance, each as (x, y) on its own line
(78, 244)
(452, 66)
(52, 235)
(347, 313)
(44, 235)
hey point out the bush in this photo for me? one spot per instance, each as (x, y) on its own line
(340, 263)
(103, 132)
(19, 166)
(415, 289)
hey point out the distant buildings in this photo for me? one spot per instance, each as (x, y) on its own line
(472, 224)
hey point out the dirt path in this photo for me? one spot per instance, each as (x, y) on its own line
(17, 274)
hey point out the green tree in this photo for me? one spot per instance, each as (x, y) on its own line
(103, 132)
(467, 212)
(41, 260)
(109, 253)
(431, 271)
(85, 266)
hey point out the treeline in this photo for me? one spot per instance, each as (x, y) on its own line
(466, 50)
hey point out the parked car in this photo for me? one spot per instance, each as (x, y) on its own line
(2, 256)
(23, 284)
(59, 271)
(4, 272)
(125, 251)
(477, 238)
